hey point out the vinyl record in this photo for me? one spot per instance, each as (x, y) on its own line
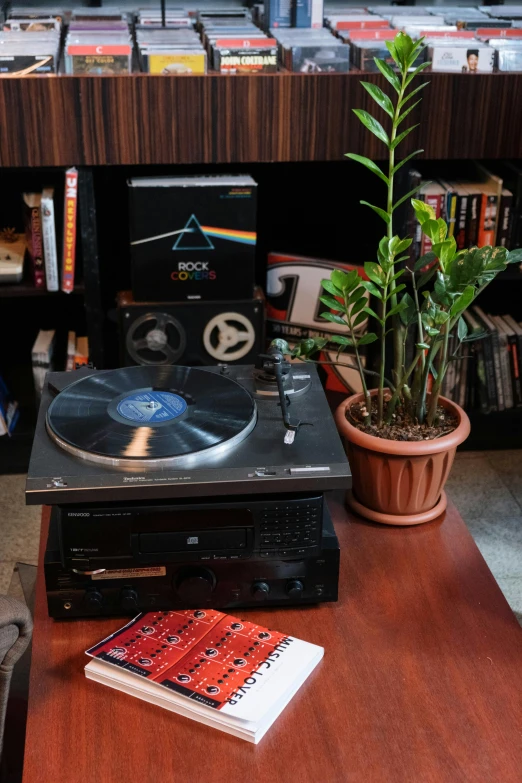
(147, 416)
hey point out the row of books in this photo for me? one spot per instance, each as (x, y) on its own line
(483, 208)
(485, 374)
(40, 247)
(44, 352)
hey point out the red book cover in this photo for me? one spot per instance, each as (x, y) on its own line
(487, 219)
(69, 229)
(366, 24)
(33, 237)
(245, 43)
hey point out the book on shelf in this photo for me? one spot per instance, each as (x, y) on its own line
(49, 239)
(514, 335)
(71, 351)
(69, 229)
(494, 353)
(42, 356)
(33, 236)
(230, 674)
(9, 412)
(81, 354)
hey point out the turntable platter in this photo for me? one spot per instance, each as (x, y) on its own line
(151, 416)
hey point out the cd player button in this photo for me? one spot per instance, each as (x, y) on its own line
(260, 590)
(295, 588)
(265, 553)
(129, 599)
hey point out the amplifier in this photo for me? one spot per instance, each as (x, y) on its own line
(219, 581)
(114, 536)
(191, 333)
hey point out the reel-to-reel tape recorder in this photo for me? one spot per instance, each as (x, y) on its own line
(191, 333)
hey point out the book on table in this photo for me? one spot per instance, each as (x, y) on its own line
(228, 673)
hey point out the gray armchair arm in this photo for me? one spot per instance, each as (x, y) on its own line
(16, 628)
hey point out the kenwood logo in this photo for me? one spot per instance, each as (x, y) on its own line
(79, 514)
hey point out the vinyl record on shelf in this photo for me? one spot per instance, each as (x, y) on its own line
(147, 416)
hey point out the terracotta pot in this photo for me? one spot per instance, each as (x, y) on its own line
(399, 482)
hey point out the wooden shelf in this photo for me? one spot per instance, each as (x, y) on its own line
(143, 119)
(9, 291)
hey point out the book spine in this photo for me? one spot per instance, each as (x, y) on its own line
(71, 351)
(451, 206)
(495, 346)
(435, 201)
(33, 233)
(515, 345)
(49, 244)
(507, 384)
(488, 211)
(69, 230)
(474, 203)
(479, 390)
(489, 367)
(462, 209)
(463, 383)
(505, 222)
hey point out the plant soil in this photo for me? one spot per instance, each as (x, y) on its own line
(403, 426)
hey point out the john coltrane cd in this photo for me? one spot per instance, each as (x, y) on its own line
(151, 416)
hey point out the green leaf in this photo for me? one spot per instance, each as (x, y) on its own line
(397, 309)
(396, 168)
(432, 332)
(477, 334)
(281, 345)
(462, 329)
(424, 260)
(388, 73)
(412, 93)
(369, 165)
(372, 124)
(340, 340)
(403, 199)
(463, 301)
(360, 319)
(397, 140)
(413, 74)
(422, 210)
(405, 113)
(366, 339)
(383, 251)
(409, 311)
(331, 288)
(380, 98)
(374, 272)
(426, 277)
(329, 301)
(358, 306)
(373, 314)
(342, 280)
(372, 289)
(335, 319)
(514, 256)
(397, 274)
(423, 346)
(359, 292)
(390, 45)
(384, 215)
(396, 290)
(468, 267)
(307, 347)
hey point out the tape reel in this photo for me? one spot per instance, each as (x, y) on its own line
(156, 338)
(228, 337)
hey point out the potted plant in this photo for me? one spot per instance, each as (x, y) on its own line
(401, 436)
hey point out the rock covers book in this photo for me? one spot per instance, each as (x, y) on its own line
(228, 673)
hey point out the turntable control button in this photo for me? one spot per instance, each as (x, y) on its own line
(309, 469)
(295, 588)
(260, 590)
(129, 599)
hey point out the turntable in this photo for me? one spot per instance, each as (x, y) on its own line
(173, 432)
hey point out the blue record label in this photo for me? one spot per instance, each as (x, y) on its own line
(152, 406)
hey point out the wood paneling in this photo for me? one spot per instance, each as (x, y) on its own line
(141, 119)
(39, 122)
(421, 682)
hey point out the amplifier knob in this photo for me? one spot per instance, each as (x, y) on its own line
(94, 599)
(129, 599)
(195, 585)
(295, 588)
(260, 590)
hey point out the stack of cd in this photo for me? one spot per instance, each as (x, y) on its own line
(178, 18)
(236, 45)
(98, 43)
(508, 53)
(312, 51)
(30, 43)
(170, 51)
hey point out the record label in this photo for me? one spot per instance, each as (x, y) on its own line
(152, 406)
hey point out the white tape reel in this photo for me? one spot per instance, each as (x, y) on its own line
(228, 337)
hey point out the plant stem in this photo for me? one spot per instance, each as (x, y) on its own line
(344, 364)
(419, 317)
(392, 402)
(435, 392)
(380, 396)
(421, 404)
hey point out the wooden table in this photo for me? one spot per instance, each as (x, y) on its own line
(421, 682)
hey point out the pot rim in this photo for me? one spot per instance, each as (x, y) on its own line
(403, 447)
